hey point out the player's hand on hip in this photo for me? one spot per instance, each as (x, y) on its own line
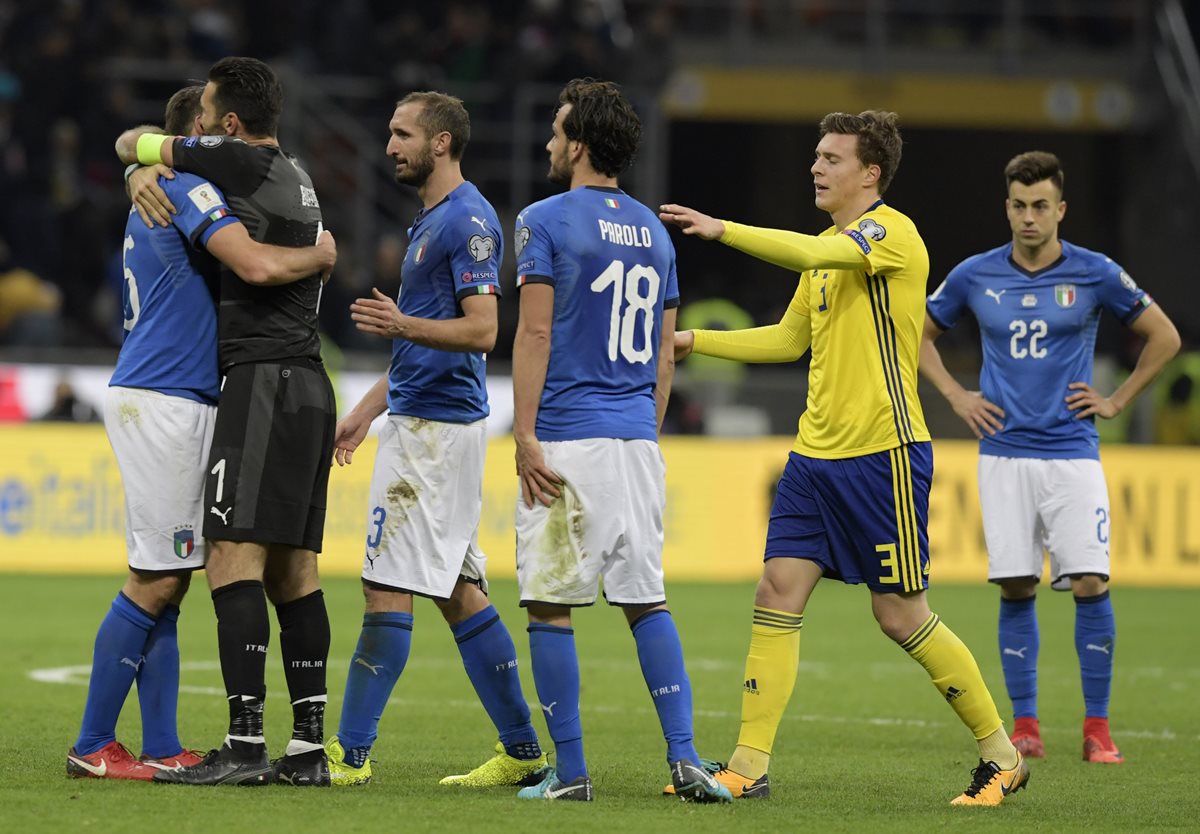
(152, 203)
(685, 340)
(691, 222)
(378, 315)
(347, 436)
(1087, 401)
(538, 481)
(979, 413)
(327, 249)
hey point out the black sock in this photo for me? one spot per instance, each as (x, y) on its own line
(304, 641)
(243, 632)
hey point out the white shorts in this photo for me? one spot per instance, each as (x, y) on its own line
(607, 523)
(426, 497)
(161, 444)
(1032, 505)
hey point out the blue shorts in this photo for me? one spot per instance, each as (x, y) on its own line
(861, 519)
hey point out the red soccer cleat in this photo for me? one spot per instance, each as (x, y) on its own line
(1098, 745)
(1027, 737)
(112, 761)
(182, 759)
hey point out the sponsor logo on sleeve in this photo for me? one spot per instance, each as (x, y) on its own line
(1127, 282)
(308, 197)
(481, 247)
(191, 141)
(204, 197)
(211, 141)
(856, 236)
(872, 229)
(521, 238)
(468, 277)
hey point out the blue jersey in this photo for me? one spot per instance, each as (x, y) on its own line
(612, 267)
(454, 251)
(1039, 335)
(170, 319)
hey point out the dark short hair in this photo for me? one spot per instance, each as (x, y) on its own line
(1034, 166)
(879, 141)
(442, 113)
(182, 109)
(603, 120)
(248, 87)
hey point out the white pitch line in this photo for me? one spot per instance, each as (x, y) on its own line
(79, 675)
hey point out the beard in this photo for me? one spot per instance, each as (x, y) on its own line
(417, 169)
(560, 172)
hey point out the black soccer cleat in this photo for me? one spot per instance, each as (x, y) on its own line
(222, 767)
(303, 770)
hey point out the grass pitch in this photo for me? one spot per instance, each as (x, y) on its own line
(867, 745)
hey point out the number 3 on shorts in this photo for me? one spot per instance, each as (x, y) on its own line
(378, 516)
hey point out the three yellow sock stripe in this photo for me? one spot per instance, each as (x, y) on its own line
(921, 634)
(781, 620)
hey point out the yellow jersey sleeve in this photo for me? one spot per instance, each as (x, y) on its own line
(792, 250)
(886, 250)
(783, 342)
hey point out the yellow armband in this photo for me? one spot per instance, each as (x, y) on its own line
(149, 148)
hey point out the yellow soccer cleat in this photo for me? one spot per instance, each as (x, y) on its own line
(990, 785)
(501, 769)
(341, 773)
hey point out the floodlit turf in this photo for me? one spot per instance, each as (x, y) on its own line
(867, 744)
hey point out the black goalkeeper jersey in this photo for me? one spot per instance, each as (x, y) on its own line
(275, 200)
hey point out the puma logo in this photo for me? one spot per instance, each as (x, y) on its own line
(994, 294)
(1106, 648)
(374, 669)
(549, 709)
(221, 515)
(1017, 652)
(136, 665)
(482, 224)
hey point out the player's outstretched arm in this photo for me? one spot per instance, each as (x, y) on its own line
(474, 331)
(351, 429)
(980, 414)
(266, 265)
(131, 147)
(531, 357)
(783, 342)
(691, 222)
(1162, 343)
(666, 365)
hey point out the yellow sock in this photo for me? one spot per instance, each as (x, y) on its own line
(956, 675)
(998, 748)
(771, 666)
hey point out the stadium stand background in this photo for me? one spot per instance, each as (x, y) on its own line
(729, 92)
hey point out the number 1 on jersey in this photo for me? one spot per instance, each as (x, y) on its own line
(622, 325)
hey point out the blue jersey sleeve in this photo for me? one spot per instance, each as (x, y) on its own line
(201, 207)
(1121, 296)
(534, 248)
(475, 251)
(671, 299)
(945, 307)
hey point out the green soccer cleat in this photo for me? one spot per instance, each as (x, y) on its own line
(501, 769)
(342, 774)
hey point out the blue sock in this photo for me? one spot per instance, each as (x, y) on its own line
(116, 658)
(556, 674)
(490, 659)
(661, 656)
(378, 660)
(1095, 641)
(1019, 644)
(158, 687)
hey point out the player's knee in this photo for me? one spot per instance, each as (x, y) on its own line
(1018, 587)
(1088, 585)
(152, 592)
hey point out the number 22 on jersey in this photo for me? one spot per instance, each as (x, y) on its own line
(627, 286)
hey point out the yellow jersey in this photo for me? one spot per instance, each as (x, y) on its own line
(861, 306)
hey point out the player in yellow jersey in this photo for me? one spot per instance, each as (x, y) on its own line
(854, 498)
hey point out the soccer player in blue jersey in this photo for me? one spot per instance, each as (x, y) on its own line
(1038, 301)
(592, 366)
(853, 501)
(159, 416)
(427, 487)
